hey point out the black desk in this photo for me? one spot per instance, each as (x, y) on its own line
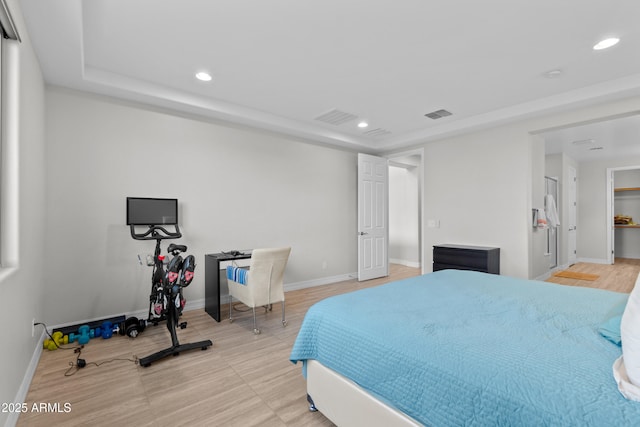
(212, 280)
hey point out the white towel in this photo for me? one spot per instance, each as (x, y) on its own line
(551, 211)
(541, 219)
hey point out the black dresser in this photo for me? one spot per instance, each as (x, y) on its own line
(461, 257)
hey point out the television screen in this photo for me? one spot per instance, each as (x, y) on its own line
(148, 211)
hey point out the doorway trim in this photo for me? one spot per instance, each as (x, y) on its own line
(610, 213)
(420, 152)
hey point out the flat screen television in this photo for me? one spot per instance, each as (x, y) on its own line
(151, 211)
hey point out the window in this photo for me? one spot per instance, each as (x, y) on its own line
(9, 30)
(2, 177)
(8, 141)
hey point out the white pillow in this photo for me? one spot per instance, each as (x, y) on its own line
(626, 370)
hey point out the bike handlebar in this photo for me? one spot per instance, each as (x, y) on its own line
(155, 232)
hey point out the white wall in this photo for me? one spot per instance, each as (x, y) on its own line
(237, 189)
(22, 284)
(629, 178)
(478, 187)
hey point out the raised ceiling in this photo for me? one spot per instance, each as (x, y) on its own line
(281, 64)
(608, 139)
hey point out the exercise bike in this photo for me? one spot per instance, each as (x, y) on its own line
(166, 300)
(158, 299)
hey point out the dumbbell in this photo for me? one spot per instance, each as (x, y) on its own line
(132, 327)
(58, 339)
(49, 344)
(83, 330)
(83, 336)
(106, 330)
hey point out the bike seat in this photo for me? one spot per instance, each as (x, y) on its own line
(176, 248)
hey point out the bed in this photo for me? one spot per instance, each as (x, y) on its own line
(465, 348)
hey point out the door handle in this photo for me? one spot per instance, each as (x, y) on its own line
(362, 233)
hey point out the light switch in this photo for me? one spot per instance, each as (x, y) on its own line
(433, 223)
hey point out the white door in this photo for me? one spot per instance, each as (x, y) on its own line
(572, 229)
(373, 233)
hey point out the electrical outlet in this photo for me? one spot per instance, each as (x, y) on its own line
(33, 327)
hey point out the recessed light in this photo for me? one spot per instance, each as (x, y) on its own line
(363, 124)
(606, 43)
(204, 76)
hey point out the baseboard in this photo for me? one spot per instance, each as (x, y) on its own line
(549, 273)
(544, 276)
(319, 282)
(593, 260)
(412, 264)
(21, 395)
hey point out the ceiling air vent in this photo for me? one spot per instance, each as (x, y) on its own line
(376, 132)
(438, 114)
(336, 117)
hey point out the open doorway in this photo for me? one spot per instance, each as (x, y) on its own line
(405, 208)
(594, 149)
(623, 213)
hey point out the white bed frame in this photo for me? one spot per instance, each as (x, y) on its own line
(347, 404)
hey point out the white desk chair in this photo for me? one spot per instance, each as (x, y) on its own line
(262, 282)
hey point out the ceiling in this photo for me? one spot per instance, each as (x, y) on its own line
(279, 65)
(613, 138)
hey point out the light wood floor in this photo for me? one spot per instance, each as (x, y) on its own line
(619, 277)
(243, 380)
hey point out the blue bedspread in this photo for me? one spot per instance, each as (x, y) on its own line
(458, 348)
